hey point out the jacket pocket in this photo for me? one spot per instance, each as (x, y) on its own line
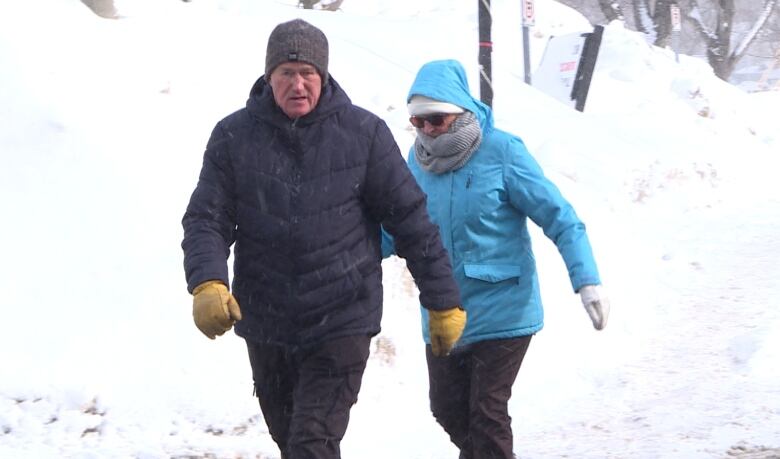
(493, 273)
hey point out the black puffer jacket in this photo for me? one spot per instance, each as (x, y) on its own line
(303, 201)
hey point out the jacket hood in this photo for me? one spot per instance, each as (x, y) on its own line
(261, 103)
(445, 80)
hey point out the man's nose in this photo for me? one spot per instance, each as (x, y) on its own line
(297, 80)
(428, 128)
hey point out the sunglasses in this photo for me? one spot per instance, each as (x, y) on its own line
(434, 120)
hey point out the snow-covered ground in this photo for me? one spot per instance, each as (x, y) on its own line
(102, 129)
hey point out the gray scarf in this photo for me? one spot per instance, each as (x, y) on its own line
(451, 150)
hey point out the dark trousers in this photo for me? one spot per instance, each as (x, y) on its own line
(305, 394)
(470, 391)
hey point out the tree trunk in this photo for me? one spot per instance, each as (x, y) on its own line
(662, 22)
(333, 6)
(103, 8)
(643, 18)
(718, 48)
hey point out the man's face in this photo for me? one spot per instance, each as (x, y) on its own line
(297, 87)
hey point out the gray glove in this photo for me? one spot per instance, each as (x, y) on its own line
(596, 304)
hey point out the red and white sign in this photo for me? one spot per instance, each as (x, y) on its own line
(529, 13)
(674, 12)
(558, 68)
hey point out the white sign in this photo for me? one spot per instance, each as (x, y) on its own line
(558, 68)
(529, 13)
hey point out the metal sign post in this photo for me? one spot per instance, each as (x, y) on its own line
(674, 14)
(485, 50)
(529, 19)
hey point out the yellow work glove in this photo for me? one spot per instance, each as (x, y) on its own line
(445, 328)
(214, 309)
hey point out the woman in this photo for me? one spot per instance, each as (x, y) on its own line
(482, 187)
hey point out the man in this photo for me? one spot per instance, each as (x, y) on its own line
(301, 180)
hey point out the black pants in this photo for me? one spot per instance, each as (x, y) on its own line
(305, 394)
(470, 391)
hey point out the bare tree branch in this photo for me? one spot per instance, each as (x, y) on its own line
(611, 9)
(695, 16)
(769, 5)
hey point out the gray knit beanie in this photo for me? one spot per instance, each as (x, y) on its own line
(297, 41)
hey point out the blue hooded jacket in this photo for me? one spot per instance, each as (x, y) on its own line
(482, 210)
